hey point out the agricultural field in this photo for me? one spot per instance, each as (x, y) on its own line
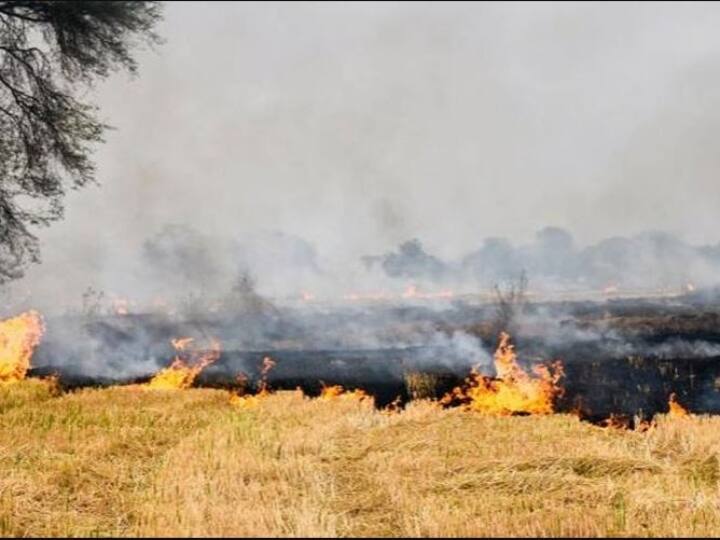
(134, 460)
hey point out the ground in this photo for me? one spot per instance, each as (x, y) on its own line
(129, 461)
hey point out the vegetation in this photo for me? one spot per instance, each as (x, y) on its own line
(128, 461)
(49, 51)
(421, 385)
(510, 302)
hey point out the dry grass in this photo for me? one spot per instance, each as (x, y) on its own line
(128, 462)
(421, 385)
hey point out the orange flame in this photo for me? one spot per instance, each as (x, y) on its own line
(180, 374)
(610, 289)
(267, 364)
(394, 407)
(121, 306)
(180, 344)
(18, 338)
(330, 393)
(514, 391)
(617, 421)
(676, 410)
(243, 401)
(412, 291)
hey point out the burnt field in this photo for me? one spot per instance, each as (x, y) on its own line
(621, 357)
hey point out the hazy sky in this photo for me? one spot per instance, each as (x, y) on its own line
(357, 126)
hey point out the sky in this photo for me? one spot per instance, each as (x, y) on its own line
(356, 126)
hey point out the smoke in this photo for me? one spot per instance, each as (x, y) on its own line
(276, 168)
(344, 131)
(178, 267)
(554, 261)
(181, 258)
(358, 127)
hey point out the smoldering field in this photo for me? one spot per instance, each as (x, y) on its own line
(632, 319)
(345, 370)
(96, 450)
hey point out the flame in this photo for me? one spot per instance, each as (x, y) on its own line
(243, 401)
(121, 306)
(330, 393)
(676, 410)
(610, 289)
(372, 296)
(445, 293)
(180, 344)
(513, 391)
(267, 364)
(395, 406)
(18, 338)
(180, 374)
(616, 421)
(410, 292)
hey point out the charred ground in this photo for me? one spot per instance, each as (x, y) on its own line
(621, 357)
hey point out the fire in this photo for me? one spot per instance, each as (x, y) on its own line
(181, 374)
(368, 296)
(243, 401)
(120, 306)
(514, 390)
(610, 289)
(180, 344)
(676, 410)
(412, 291)
(394, 407)
(330, 393)
(267, 364)
(18, 338)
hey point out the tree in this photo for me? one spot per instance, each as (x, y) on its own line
(509, 303)
(49, 50)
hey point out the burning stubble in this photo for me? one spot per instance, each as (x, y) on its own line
(18, 338)
(410, 300)
(182, 372)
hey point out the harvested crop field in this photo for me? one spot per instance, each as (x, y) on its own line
(133, 461)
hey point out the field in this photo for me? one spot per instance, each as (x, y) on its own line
(131, 461)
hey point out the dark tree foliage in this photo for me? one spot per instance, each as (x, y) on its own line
(410, 261)
(48, 51)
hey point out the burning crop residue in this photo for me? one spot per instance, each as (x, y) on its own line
(242, 400)
(675, 409)
(592, 390)
(513, 391)
(331, 393)
(267, 364)
(18, 338)
(182, 373)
